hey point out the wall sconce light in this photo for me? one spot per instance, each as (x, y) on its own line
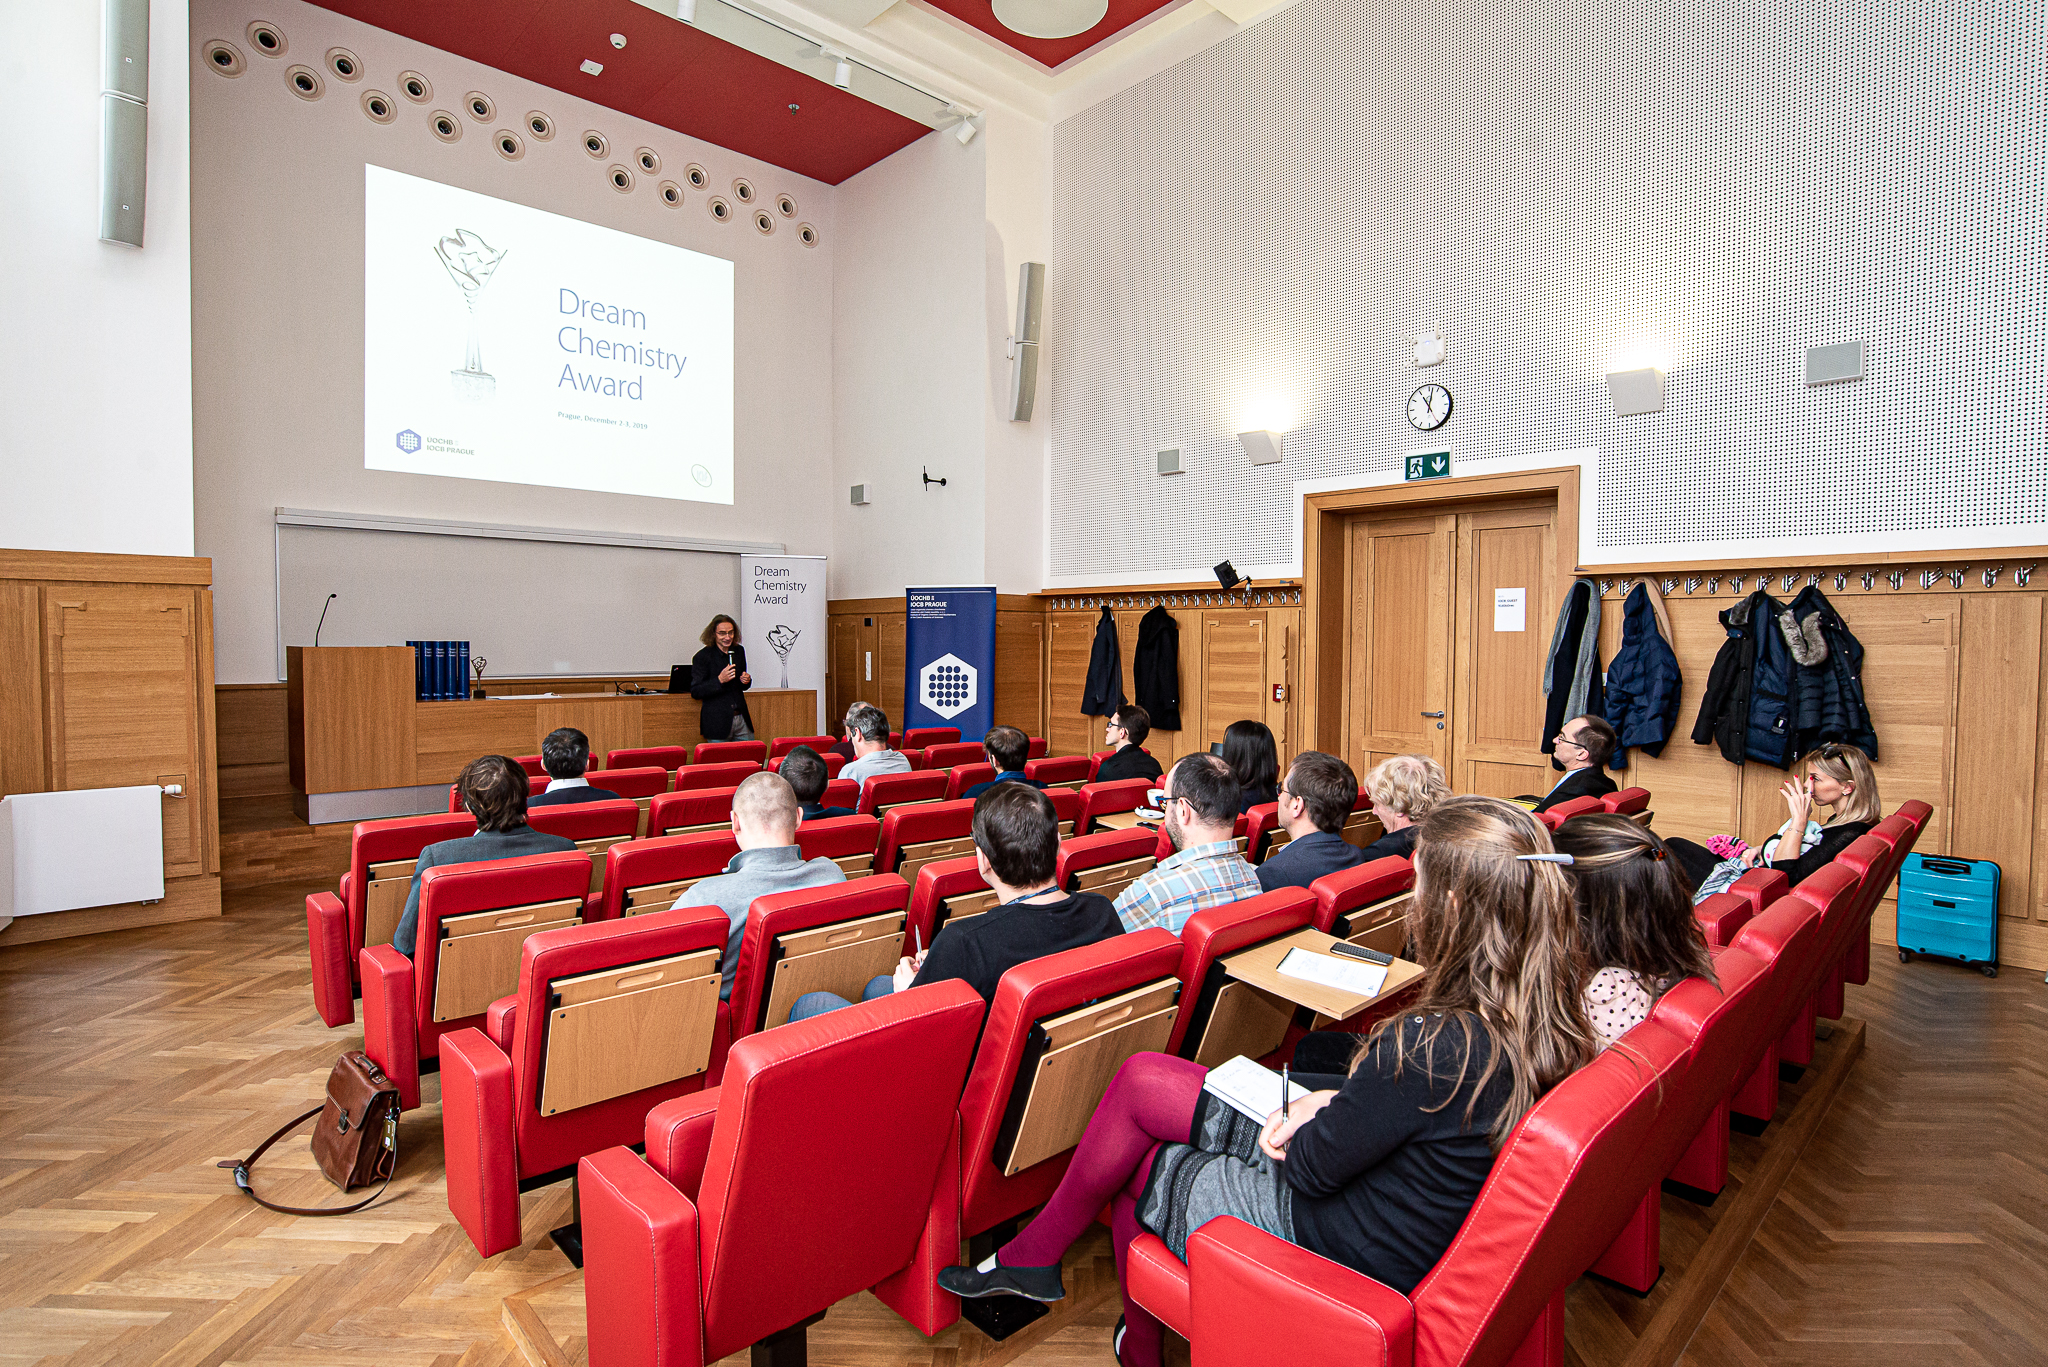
(1261, 448)
(1636, 391)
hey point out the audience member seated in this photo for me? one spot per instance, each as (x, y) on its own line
(868, 730)
(1007, 748)
(1838, 777)
(1403, 789)
(1205, 869)
(764, 821)
(1315, 801)
(843, 747)
(805, 773)
(719, 680)
(1381, 1165)
(1582, 747)
(565, 754)
(1635, 919)
(1126, 732)
(493, 788)
(1016, 843)
(1249, 751)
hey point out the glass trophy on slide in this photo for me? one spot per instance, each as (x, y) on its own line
(471, 262)
(780, 641)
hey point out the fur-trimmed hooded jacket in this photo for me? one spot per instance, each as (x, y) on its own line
(1747, 709)
(1829, 695)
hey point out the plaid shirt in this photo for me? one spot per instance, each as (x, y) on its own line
(1197, 877)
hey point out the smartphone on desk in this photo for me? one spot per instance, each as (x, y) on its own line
(1351, 951)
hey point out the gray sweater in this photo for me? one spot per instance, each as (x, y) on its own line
(880, 762)
(751, 874)
(470, 849)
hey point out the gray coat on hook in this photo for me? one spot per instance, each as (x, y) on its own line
(1572, 685)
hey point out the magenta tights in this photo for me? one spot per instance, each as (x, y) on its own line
(1151, 1101)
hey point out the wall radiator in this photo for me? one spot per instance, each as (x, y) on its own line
(92, 847)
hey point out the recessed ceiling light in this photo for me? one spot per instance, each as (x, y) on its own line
(793, 108)
(591, 68)
(618, 40)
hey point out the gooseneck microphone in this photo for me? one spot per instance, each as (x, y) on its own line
(323, 617)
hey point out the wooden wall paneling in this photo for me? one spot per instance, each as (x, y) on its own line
(843, 668)
(1283, 632)
(1998, 721)
(253, 727)
(1498, 712)
(1234, 686)
(1693, 790)
(449, 735)
(206, 770)
(1072, 635)
(777, 712)
(609, 725)
(23, 766)
(890, 656)
(1020, 671)
(1909, 681)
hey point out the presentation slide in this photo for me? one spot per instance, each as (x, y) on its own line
(505, 343)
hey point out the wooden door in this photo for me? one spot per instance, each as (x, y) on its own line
(1020, 662)
(847, 667)
(1497, 707)
(1234, 686)
(1397, 652)
(1067, 731)
(121, 693)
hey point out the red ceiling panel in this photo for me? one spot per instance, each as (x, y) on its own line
(668, 73)
(1050, 52)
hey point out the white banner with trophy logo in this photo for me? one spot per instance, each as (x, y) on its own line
(782, 622)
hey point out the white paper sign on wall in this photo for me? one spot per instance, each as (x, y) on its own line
(1510, 609)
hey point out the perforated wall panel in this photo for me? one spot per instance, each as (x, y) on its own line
(1556, 187)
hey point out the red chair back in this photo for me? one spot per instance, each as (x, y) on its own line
(784, 744)
(920, 824)
(782, 913)
(532, 765)
(838, 837)
(1627, 802)
(754, 752)
(888, 790)
(661, 859)
(1722, 917)
(1006, 1059)
(833, 764)
(535, 785)
(588, 820)
(690, 809)
(1353, 889)
(1036, 748)
(1565, 811)
(1066, 805)
(1058, 769)
(935, 883)
(1086, 852)
(1917, 813)
(1104, 799)
(670, 757)
(389, 841)
(645, 781)
(961, 777)
(840, 792)
(1259, 824)
(714, 775)
(946, 756)
(1214, 932)
(918, 737)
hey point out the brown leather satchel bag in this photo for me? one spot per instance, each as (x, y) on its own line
(355, 1141)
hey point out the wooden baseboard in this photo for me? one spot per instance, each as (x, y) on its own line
(1664, 1341)
(185, 899)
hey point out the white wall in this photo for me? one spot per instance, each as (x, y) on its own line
(910, 336)
(278, 312)
(96, 357)
(1019, 229)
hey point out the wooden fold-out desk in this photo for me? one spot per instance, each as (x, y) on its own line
(1259, 967)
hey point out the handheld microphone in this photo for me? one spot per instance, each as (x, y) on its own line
(323, 617)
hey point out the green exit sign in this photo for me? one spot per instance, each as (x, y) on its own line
(1427, 465)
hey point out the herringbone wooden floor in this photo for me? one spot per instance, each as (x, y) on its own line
(129, 1063)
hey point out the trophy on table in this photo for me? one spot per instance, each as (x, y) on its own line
(471, 262)
(780, 640)
(477, 664)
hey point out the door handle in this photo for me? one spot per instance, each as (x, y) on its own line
(1433, 714)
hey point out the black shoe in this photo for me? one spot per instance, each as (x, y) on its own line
(1116, 1340)
(1032, 1283)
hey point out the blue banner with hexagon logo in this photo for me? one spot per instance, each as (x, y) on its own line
(949, 659)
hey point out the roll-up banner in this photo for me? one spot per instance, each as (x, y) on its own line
(949, 659)
(782, 622)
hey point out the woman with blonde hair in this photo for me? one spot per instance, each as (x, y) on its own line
(1403, 789)
(1635, 919)
(1838, 777)
(1375, 1169)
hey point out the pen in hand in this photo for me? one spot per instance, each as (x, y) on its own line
(1279, 1178)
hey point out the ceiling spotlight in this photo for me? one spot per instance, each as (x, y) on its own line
(1635, 392)
(591, 68)
(1261, 448)
(842, 73)
(966, 131)
(618, 40)
(686, 10)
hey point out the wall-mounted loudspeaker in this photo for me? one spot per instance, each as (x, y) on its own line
(124, 118)
(1024, 344)
(860, 495)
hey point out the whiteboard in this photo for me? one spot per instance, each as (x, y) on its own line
(528, 606)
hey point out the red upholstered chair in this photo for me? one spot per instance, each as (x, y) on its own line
(642, 876)
(714, 775)
(866, 917)
(1761, 887)
(1786, 937)
(840, 792)
(1106, 862)
(850, 840)
(808, 1174)
(1628, 802)
(1011, 1158)
(594, 826)
(884, 791)
(914, 835)
(1565, 811)
(784, 744)
(895, 740)
(1835, 891)
(669, 757)
(532, 765)
(947, 756)
(1066, 770)
(918, 737)
(945, 890)
(1869, 858)
(519, 1102)
(644, 782)
(1555, 1198)
(1260, 824)
(833, 764)
(535, 784)
(409, 1004)
(1722, 917)
(915, 758)
(1364, 896)
(1918, 813)
(1066, 805)
(1105, 799)
(961, 777)
(689, 810)
(1036, 747)
(372, 898)
(754, 752)
(1219, 1016)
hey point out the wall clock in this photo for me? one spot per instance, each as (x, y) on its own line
(1429, 407)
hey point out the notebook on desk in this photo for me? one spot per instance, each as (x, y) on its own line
(1251, 1089)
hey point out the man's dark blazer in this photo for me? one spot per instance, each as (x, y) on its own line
(1590, 781)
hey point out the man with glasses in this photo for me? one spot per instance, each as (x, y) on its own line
(1125, 732)
(1582, 747)
(1316, 798)
(1205, 869)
